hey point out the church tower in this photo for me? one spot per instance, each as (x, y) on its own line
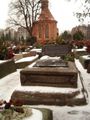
(45, 28)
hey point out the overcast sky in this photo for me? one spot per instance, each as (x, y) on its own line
(62, 10)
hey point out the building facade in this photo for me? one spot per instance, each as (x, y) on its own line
(85, 29)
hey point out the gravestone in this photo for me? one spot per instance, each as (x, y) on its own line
(50, 81)
(56, 49)
(61, 75)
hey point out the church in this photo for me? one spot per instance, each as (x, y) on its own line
(45, 29)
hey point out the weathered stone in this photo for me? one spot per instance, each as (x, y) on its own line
(7, 67)
(50, 76)
(36, 98)
(56, 50)
(85, 60)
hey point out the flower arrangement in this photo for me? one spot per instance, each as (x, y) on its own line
(9, 111)
(61, 41)
(78, 44)
(5, 52)
(68, 57)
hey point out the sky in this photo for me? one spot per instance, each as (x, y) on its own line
(62, 10)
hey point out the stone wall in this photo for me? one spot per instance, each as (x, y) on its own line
(7, 67)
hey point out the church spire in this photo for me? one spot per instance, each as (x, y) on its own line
(45, 12)
(44, 4)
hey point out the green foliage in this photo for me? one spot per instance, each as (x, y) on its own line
(66, 35)
(38, 45)
(78, 35)
(60, 41)
(68, 57)
(64, 38)
(6, 37)
(31, 40)
(3, 52)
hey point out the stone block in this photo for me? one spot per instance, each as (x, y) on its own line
(50, 76)
(7, 67)
(85, 60)
(36, 97)
(56, 50)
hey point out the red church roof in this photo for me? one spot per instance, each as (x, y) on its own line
(45, 12)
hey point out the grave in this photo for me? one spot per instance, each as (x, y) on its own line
(50, 81)
(56, 49)
(79, 52)
(85, 60)
(60, 74)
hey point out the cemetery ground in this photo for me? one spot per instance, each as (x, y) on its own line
(9, 83)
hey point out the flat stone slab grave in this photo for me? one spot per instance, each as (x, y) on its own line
(57, 76)
(37, 95)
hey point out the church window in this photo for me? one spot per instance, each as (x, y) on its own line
(47, 31)
(40, 31)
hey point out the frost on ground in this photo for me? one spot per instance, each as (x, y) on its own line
(9, 83)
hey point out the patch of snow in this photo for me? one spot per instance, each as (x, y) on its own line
(2, 61)
(24, 52)
(43, 89)
(38, 50)
(31, 65)
(12, 81)
(8, 84)
(27, 59)
(82, 49)
(45, 57)
(87, 57)
(36, 115)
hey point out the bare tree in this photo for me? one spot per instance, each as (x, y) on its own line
(23, 13)
(84, 12)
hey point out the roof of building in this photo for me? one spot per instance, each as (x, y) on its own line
(45, 12)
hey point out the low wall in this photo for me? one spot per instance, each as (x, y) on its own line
(7, 67)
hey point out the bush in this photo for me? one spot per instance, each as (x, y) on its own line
(68, 57)
(31, 40)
